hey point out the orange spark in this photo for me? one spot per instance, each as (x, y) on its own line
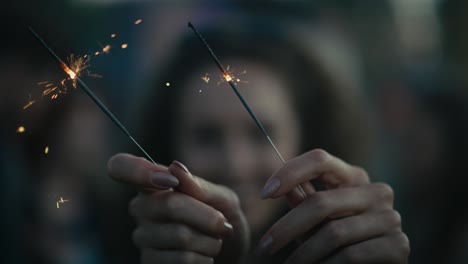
(124, 46)
(29, 103)
(97, 53)
(113, 35)
(106, 49)
(20, 129)
(138, 21)
(46, 150)
(71, 73)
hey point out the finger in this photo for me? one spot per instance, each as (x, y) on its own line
(139, 172)
(180, 208)
(393, 248)
(311, 165)
(169, 236)
(212, 194)
(151, 256)
(346, 231)
(323, 205)
(297, 195)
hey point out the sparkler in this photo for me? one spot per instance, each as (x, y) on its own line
(231, 80)
(85, 88)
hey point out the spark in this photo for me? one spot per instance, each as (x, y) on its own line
(206, 78)
(88, 91)
(61, 201)
(20, 129)
(124, 46)
(138, 21)
(46, 150)
(113, 35)
(229, 76)
(200, 91)
(97, 53)
(29, 103)
(106, 49)
(168, 84)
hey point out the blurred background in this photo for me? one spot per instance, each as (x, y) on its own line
(408, 58)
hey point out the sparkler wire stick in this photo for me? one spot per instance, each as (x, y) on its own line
(241, 98)
(234, 87)
(85, 88)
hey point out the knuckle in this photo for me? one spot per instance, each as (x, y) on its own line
(186, 257)
(173, 202)
(137, 237)
(405, 244)
(183, 236)
(394, 218)
(384, 192)
(353, 255)
(133, 206)
(319, 156)
(319, 201)
(361, 173)
(217, 246)
(336, 232)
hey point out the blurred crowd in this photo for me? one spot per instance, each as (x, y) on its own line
(407, 60)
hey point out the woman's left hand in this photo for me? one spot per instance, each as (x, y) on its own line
(352, 221)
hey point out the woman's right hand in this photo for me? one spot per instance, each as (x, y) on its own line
(181, 218)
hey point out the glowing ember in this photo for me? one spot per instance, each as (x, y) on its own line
(106, 49)
(168, 84)
(46, 150)
(138, 21)
(71, 73)
(206, 78)
(113, 35)
(124, 46)
(97, 53)
(20, 129)
(229, 76)
(61, 201)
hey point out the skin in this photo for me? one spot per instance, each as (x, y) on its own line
(182, 218)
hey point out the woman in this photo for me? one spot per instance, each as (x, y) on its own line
(183, 218)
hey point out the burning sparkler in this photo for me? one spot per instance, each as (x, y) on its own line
(76, 78)
(230, 79)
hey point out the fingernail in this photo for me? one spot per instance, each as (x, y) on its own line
(228, 227)
(163, 180)
(181, 166)
(264, 246)
(270, 188)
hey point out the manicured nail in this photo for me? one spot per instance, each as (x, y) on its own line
(270, 188)
(265, 245)
(163, 180)
(228, 228)
(181, 166)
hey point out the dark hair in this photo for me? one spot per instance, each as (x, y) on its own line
(331, 117)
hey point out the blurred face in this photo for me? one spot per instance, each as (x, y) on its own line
(219, 141)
